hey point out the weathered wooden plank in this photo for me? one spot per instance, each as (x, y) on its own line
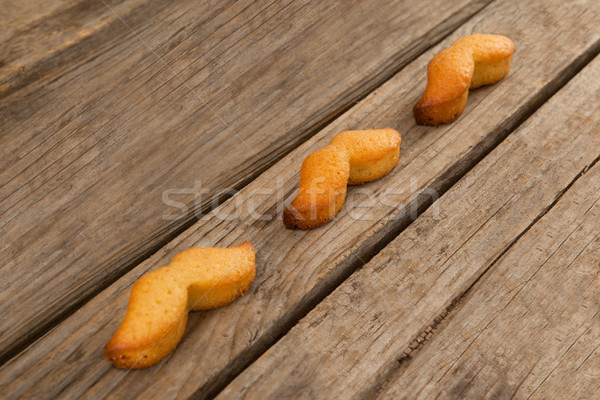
(92, 159)
(296, 269)
(530, 328)
(352, 341)
(40, 39)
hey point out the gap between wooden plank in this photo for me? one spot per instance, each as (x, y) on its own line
(84, 271)
(424, 337)
(352, 340)
(500, 382)
(513, 100)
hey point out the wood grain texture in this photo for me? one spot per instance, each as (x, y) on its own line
(296, 269)
(41, 39)
(530, 329)
(352, 341)
(103, 162)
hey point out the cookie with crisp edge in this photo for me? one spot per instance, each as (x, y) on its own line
(352, 158)
(196, 279)
(470, 62)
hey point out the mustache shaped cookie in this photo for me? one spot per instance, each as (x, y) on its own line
(196, 279)
(352, 158)
(470, 62)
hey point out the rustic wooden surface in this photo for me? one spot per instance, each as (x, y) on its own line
(354, 339)
(138, 100)
(297, 269)
(144, 72)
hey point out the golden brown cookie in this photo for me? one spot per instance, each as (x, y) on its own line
(470, 62)
(197, 279)
(352, 158)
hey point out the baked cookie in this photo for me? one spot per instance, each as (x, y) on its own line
(197, 279)
(470, 62)
(352, 158)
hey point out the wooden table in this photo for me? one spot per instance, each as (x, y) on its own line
(132, 130)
